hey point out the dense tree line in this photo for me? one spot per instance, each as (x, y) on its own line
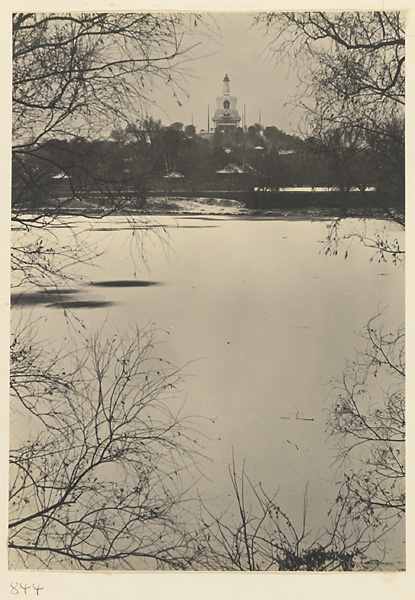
(120, 170)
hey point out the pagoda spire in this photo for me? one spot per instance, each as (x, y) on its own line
(226, 87)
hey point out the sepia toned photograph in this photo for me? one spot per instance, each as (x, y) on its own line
(207, 353)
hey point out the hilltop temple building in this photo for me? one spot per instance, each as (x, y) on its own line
(226, 116)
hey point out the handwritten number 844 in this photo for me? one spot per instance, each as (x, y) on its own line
(24, 588)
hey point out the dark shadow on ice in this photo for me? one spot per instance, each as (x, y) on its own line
(194, 226)
(81, 304)
(41, 297)
(135, 227)
(125, 283)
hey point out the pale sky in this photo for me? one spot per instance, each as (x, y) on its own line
(237, 48)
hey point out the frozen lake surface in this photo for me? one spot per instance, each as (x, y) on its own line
(259, 319)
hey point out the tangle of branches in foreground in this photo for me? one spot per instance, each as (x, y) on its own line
(101, 478)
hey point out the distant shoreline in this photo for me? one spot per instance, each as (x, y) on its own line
(221, 207)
